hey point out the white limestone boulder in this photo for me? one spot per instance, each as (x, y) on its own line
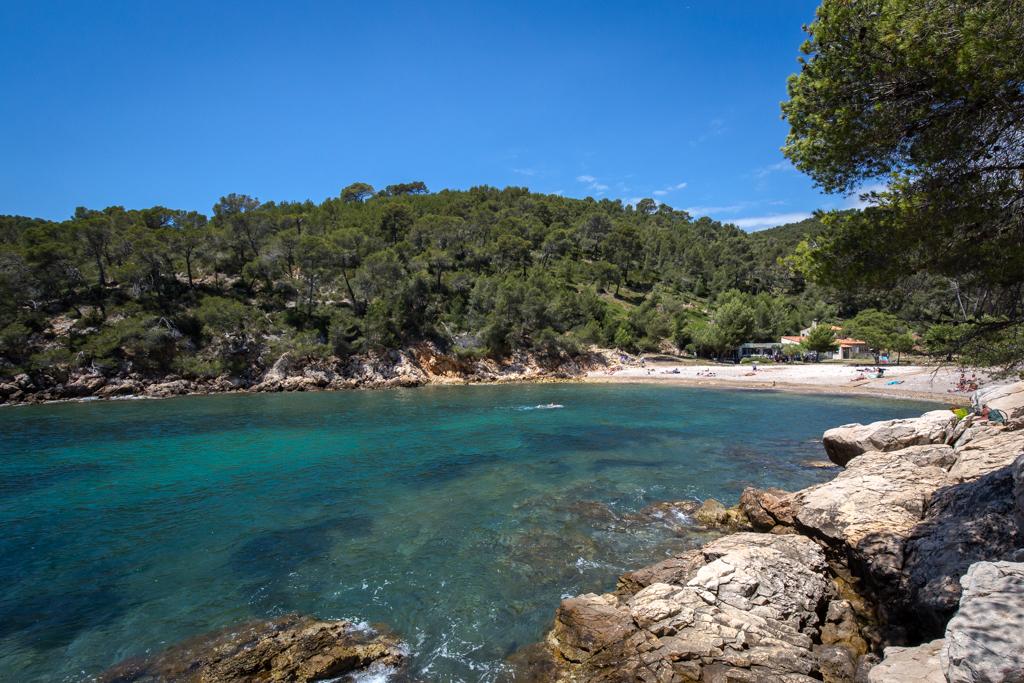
(842, 444)
(985, 640)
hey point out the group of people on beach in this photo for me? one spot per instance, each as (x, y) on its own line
(868, 373)
(965, 385)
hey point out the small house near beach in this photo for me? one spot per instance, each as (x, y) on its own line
(847, 348)
(758, 349)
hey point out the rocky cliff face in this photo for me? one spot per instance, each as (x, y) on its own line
(423, 364)
(915, 552)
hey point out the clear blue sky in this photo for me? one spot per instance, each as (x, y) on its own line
(176, 103)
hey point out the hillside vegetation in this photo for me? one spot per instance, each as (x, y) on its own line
(483, 272)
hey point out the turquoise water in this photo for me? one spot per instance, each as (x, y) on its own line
(457, 515)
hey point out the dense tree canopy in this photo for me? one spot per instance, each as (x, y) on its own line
(924, 103)
(485, 271)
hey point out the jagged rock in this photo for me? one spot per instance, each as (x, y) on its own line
(279, 370)
(674, 570)
(848, 441)
(910, 665)
(965, 523)
(867, 511)
(126, 387)
(985, 640)
(291, 648)
(174, 388)
(934, 455)
(864, 666)
(86, 385)
(987, 453)
(841, 629)
(768, 508)
(588, 625)
(836, 663)
(748, 611)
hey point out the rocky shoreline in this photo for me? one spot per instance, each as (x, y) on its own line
(908, 566)
(290, 648)
(412, 367)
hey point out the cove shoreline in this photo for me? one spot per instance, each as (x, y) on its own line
(865, 578)
(788, 387)
(425, 366)
(802, 389)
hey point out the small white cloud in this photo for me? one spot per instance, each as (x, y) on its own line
(668, 189)
(778, 167)
(599, 186)
(855, 201)
(525, 171)
(586, 178)
(708, 210)
(754, 223)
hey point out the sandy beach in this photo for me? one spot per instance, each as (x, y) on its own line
(914, 381)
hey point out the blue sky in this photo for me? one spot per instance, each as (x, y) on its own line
(142, 103)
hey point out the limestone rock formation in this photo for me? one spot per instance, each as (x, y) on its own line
(767, 509)
(291, 648)
(910, 665)
(745, 607)
(920, 503)
(987, 452)
(868, 509)
(985, 640)
(965, 523)
(848, 441)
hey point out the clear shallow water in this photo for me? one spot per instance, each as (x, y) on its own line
(457, 515)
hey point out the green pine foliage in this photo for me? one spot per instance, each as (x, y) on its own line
(477, 272)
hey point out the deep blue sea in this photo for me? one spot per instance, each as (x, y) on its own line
(459, 516)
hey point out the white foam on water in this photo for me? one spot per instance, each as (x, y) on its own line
(543, 406)
(682, 517)
(375, 673)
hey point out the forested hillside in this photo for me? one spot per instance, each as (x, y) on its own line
(479, 272)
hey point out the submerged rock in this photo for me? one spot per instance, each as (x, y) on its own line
(842, 444)
(291, 648)
(711, 513)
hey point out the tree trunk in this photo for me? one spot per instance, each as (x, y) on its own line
(188, 270)
(351, 295)
(103, 273)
